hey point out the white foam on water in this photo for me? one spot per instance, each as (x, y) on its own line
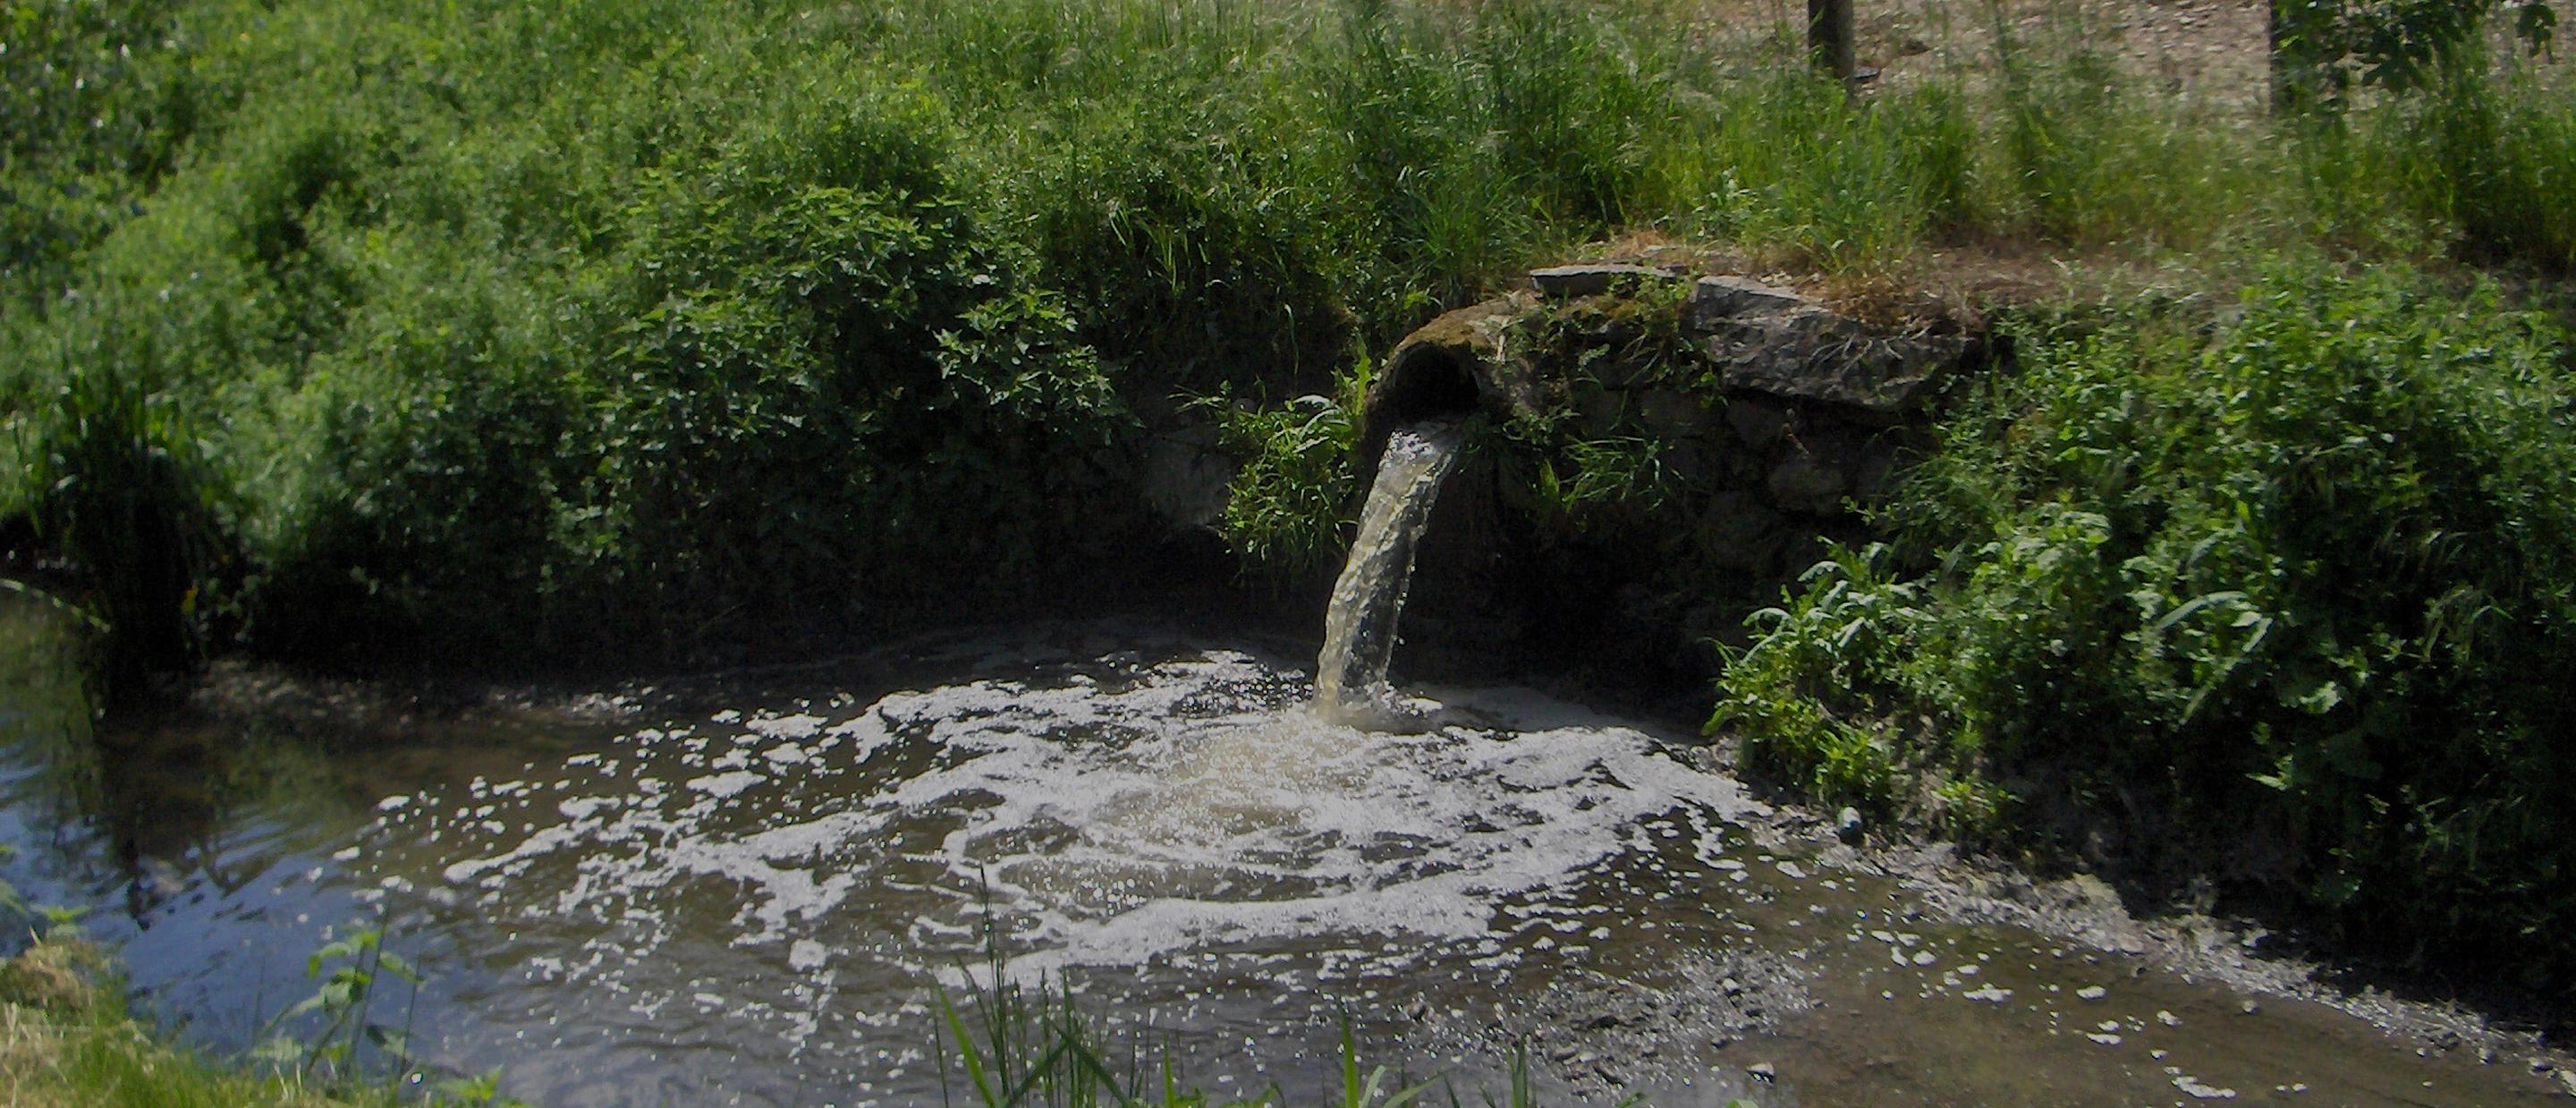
(798, 726)
(722, 785)
(1191, 806)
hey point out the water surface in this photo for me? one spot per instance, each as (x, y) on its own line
(749, 895)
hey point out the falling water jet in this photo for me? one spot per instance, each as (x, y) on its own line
(1413, 424)
(1359, 628)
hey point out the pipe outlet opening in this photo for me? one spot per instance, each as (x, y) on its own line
(1426, 381)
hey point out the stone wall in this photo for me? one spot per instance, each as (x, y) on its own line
(1766, 423)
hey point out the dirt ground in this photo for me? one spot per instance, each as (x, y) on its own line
(2211, 49)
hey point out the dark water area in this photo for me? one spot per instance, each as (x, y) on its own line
(750, 891)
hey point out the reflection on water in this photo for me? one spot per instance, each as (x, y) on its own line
(750, 901)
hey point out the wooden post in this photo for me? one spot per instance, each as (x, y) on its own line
(2278, 66)
(1829, 37)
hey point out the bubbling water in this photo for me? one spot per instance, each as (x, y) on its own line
(1192, 805)
(1122, 816)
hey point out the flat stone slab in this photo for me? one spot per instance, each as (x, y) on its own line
(1563, 282)
(1722, 297)
(1762, 341)
(1814, 355)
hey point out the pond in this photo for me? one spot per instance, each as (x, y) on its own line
(752, 890)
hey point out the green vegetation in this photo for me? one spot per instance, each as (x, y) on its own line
(64, 1040)
(67, 1039)
(2302, 575)
(1031, 1044)
(648, 329)
(642, 329)
(1284, 506)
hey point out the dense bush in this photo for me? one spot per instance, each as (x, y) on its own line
(97, 114)
(2305, 575)
(632, 324)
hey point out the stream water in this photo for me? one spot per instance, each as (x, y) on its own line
(746, 893)
(753, 891)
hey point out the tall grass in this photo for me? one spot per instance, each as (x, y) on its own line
(113, 481)
(607, 326)
(68, 1040)
(1016, 1045)
(2494, 156)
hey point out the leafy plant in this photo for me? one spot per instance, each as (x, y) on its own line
(482, 1090)
(1289, 498)
(2324, 48)
(2302, 568)
(44, 922)
(101, 101)
(662, 329)
(114, 482)
(358, 962)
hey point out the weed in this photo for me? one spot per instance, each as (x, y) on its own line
(358, 962)
(631, 327)
(1017, 1044)
(1285, 506)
